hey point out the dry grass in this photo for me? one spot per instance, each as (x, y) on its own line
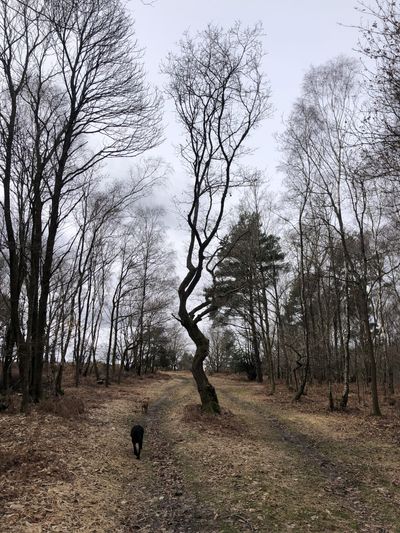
(264, 465)
(65, 406)
(227, 423)
(282, 466)
(65, 470)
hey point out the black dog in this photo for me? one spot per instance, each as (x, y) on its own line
(137, 440)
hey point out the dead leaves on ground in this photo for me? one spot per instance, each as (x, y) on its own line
(65, 471)
(233, 471)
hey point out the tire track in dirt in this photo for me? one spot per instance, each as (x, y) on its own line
(161, 500)
(338, 483)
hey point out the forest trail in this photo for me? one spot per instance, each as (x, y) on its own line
(160, 498)
(264, 465)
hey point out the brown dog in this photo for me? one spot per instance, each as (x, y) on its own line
(145, 405)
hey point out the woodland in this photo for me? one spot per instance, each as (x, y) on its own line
(288, 303)
(85, 256)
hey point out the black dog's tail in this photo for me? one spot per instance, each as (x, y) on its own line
(137, 440)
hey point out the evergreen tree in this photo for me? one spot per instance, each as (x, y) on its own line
(249, 261)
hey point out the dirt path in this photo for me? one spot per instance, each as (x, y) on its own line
(248, 472)
(164, 502)
(255, 468)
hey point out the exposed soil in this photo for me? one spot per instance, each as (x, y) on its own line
(264, 465)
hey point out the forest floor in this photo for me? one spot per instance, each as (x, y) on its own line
(264, 465)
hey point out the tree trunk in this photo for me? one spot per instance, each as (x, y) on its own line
(208, 395)
(256, 350)
(304, 311)
(265, 331)
(303, 383)
(58, 381)
(371, 355)
(346, 373)
(390, 376)
(7, 359)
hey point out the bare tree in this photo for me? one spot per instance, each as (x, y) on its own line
(322, 138)
(380, 42)
(73, 94)
(220, 96)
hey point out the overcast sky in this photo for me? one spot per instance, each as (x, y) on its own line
(298, 33)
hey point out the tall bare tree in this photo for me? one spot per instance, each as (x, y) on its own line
(73, 93)
(325, 150)
(220, 96)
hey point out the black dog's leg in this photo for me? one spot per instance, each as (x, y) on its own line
(137, 440)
